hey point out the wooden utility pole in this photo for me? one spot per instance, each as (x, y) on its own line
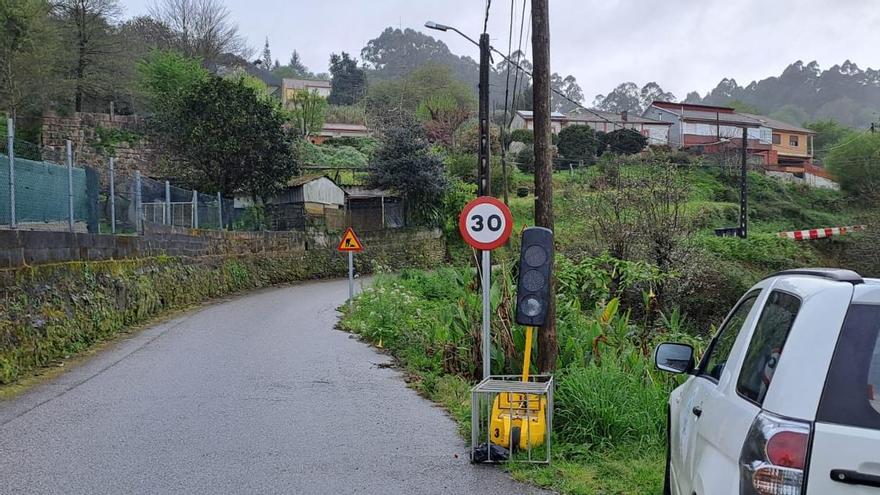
(547, 346)
(484, 188)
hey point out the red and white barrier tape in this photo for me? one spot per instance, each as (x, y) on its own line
(810, 234)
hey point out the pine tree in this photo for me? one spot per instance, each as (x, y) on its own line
(267, 55)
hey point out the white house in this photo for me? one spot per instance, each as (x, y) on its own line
(656, 131)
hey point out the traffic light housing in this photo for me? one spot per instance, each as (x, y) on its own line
(533, 286)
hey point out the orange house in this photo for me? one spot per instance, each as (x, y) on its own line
(792, 146)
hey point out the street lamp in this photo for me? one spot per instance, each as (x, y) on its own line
(443, 27)
(484, 179)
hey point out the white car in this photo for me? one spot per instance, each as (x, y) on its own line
(786, 398)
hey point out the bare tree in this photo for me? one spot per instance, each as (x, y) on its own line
(89, 28)
(201, 28)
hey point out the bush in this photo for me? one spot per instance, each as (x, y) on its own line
(525, 159)
(526, 136)
(625, 142)
(329, 156)
(366, 145)
(577, 142)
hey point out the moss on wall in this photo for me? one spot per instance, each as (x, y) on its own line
(52, 311)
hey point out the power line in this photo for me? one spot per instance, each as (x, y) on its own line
(486, 20)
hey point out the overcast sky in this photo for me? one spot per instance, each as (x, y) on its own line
(684, 45)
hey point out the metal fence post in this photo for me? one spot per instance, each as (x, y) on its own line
(10, 132)
(112, 197)
(195, 210)
(220, 209)
(70, 217)
(138, 207)
(166, 212)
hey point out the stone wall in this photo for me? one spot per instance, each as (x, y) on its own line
(83, 130)
(55, 309)
(19, 248)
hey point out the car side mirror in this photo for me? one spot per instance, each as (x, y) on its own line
(674, 358)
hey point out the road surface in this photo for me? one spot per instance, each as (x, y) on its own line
(256, 394)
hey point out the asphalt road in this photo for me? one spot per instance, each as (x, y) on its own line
(256, 394)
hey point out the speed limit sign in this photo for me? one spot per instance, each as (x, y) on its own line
(485, 223)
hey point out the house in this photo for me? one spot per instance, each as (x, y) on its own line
(712, 128)
(335, 130)
(307, 200)
(656, 131)
(289, 86)
(792, 146)
(524, 119)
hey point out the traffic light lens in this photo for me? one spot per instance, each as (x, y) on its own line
(531, 306)
(532, 280)
(535, 256)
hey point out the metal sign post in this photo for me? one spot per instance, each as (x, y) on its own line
(485, 224)
(350, 244)
(486, 334)
(350, 280)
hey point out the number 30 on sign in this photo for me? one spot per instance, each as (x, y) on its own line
(485, 223)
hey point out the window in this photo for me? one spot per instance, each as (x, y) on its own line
(777, 139)
(852, 389)
(766, 346)
(716, 358)
(793, 141)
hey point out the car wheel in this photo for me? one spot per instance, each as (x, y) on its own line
(667, 488)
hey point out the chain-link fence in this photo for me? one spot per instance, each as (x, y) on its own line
(62, 194)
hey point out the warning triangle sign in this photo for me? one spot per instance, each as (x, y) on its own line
(350, 242)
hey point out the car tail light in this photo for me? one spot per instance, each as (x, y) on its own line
(774, 456)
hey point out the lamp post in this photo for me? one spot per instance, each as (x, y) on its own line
(484, 176)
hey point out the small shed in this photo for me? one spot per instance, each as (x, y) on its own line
(307, 201)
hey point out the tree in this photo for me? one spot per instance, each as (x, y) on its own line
(569, 87)
(26, 48)
(429, 82)
(624, 141)
(627, 97)
(166, 76)
(307, 110)
(201, 28)
(577, 142)
(828, 132)
(267, 55)
(854, 164)
(349, 82)
(228, 139)
(88, 29)
(441, 116)
(404, 164)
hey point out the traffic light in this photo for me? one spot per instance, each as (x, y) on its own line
(533, 287)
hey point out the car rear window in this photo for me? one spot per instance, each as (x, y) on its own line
(766, 345)
(852, 389)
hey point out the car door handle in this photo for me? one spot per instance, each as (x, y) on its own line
(697, 410)
(855, 478)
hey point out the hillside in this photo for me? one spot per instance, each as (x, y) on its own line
(804, 92)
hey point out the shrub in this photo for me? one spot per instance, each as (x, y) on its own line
(366, 145)
(577, 142)
(525, 159)
(625, 141)
(526, 136)
(329, 156)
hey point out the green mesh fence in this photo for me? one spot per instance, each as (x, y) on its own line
(42, 196)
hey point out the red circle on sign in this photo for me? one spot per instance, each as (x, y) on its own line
(505, 232)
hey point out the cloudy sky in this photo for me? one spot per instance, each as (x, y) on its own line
(684, 45)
